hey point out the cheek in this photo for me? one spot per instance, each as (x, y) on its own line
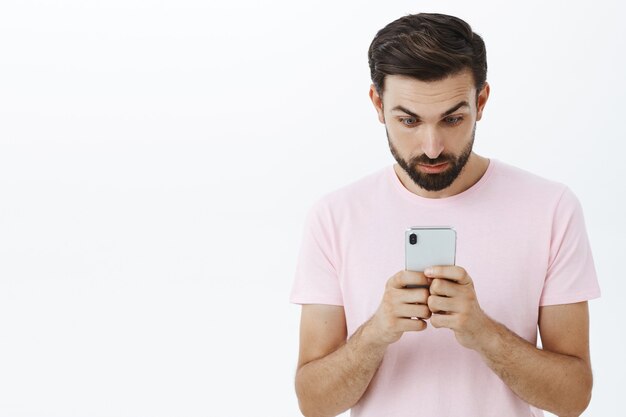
(458, 138)
(403, 140)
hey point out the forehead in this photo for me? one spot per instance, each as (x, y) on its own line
(428, 97)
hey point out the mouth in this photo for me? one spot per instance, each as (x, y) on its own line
(433, 169)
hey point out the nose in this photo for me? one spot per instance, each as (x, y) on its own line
(432, 146)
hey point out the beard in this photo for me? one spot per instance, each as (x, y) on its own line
(439, 181)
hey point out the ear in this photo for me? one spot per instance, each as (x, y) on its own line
(482, 100)
(378, 103)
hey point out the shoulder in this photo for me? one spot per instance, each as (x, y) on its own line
(535, 195)
(519, 176)
(523, 184)
(357, 192)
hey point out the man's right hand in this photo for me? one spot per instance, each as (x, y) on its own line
(327, 359)
(401, 309)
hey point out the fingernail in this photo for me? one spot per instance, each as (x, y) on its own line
(428, 271)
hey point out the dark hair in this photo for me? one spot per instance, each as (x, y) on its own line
(429, 47)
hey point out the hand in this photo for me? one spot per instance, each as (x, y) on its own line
(401, 309)
(454, 305)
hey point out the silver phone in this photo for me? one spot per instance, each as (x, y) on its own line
(429, 246)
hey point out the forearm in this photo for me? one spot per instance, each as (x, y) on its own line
(332, 384)
(554, 382)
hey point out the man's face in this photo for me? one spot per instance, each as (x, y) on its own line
(430, 126)
(437, 176)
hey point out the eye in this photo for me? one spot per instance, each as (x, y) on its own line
(453, 120)
(408, 121)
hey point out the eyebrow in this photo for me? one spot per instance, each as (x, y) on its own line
(444, 114)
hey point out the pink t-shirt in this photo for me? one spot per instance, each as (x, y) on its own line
(520, 237)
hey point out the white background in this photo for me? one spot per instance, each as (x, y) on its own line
(157, 159)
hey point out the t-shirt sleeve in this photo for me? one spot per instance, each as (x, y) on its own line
(316, 278)
(571, 275)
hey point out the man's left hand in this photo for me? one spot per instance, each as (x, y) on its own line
(454, 305)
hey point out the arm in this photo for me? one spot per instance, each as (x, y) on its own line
(334, 373)
(557, 378)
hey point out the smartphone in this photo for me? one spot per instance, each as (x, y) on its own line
(429, 246)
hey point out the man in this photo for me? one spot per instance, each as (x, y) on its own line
(463, 344)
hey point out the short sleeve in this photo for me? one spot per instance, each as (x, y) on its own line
(571, 275)
(316, 279)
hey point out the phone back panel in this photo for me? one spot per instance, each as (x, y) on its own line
(433, 246)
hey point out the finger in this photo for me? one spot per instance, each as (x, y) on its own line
(437, 304)
(413, 295)
(403, 278)
(412, 325)
(417, 286)
(451, 272)
(413, 310)
(442, 320)
(444, 287)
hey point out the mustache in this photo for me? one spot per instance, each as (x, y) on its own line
(425, 160)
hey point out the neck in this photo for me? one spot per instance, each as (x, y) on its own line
(473, 171)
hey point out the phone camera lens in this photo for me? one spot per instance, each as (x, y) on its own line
(413, 238)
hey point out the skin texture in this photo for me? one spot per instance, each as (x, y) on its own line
(557, 378)
(433, 136)
(334, 372)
